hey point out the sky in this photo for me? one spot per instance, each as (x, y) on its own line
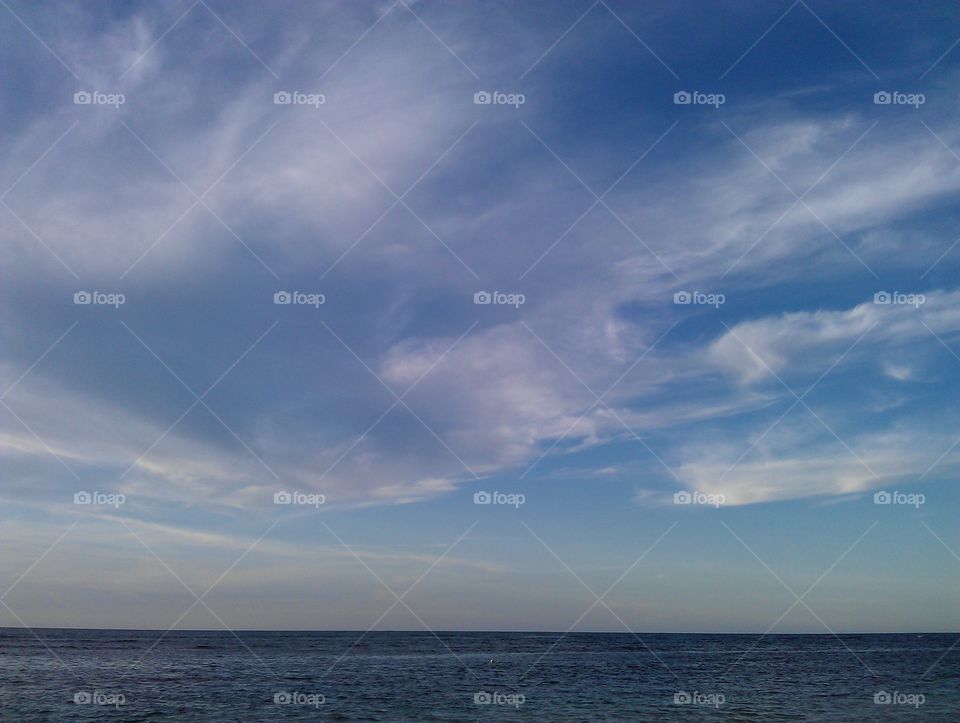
(480, 316)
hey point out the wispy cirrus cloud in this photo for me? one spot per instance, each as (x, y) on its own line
(302, 199)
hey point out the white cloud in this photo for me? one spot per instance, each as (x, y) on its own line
(798, 341)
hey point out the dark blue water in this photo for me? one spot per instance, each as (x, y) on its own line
(123, 675)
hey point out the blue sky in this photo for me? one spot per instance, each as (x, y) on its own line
(790, 397)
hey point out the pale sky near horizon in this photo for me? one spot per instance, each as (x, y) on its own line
(584, 256)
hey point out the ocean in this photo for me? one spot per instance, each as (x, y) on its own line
(67, 675)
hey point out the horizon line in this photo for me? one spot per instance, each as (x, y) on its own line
(499, 632)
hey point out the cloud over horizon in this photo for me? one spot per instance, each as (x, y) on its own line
(758, 299)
